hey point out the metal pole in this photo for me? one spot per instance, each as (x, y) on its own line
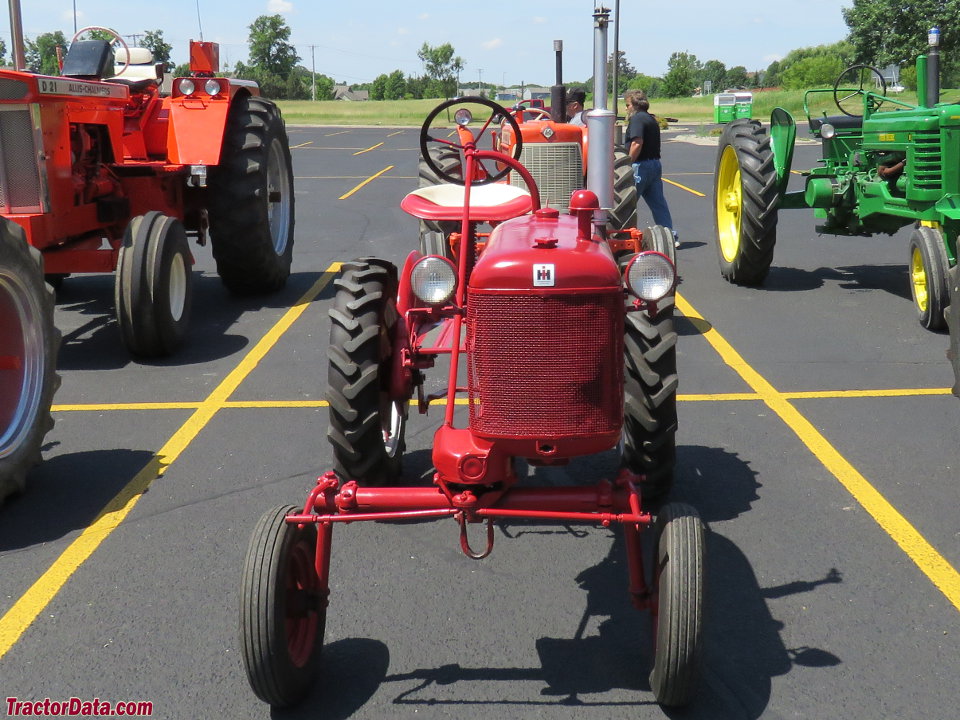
(313, 74)
(616, 54)
(16, 35)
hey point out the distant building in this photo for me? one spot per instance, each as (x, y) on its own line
(343, 92)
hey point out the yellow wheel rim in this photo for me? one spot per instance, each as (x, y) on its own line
(729, 204)
(918, 276)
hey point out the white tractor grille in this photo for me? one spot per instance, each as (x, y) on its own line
(20, 186)
(556, 167)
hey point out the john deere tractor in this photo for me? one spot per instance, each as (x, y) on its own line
(886, 164)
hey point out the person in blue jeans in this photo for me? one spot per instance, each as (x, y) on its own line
(642, 141)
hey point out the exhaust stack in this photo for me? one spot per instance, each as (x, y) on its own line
(600, 121)
(16, 34)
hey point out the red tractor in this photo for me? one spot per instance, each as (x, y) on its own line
(561, 341)
(104, 173)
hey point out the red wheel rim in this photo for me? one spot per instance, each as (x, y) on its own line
(302, 595)
(21, 361)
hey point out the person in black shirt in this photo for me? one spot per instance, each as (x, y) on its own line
(642, 141)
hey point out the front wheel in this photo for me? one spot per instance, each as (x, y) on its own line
(283, 609)
(153, 287)
(678, 582)
(928, 276)
(29, 342)
(745, 203)
(660, 239)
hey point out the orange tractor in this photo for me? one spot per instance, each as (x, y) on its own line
(101, 172)
(104, 173)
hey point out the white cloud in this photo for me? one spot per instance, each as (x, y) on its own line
(279, 6)
(403, 31)
(492, 44)
(540, 20)
(424, 16)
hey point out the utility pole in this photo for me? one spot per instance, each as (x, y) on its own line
(313, 75)
(480, 82)
(135, 37)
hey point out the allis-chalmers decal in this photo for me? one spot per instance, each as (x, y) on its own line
(55, 86)
(544, 275)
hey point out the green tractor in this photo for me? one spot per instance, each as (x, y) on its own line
(886, 164)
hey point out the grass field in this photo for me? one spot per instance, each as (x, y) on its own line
(412, 112)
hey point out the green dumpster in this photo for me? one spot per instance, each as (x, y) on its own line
(744, 105)
(724, 107)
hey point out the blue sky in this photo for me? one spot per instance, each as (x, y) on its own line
(501, 42)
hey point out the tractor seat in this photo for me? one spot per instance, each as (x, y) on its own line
(141, 72)
(840, 122)
(494, 202)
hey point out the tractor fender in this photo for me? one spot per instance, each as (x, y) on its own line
(783, 134)
(197, 125)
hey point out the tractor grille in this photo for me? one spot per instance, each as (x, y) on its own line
(557, 169)
(545, 366)
(20, 187)
(927, 161)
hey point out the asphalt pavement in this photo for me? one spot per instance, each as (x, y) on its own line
(818, 439)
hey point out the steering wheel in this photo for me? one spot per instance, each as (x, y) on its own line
(860, 75)
(540, 113)
(463, 116)
(112, 33)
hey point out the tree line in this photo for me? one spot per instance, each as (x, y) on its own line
(882, 32)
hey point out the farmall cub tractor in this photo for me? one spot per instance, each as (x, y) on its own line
(105, 174)
(886, 164)
(561, 342)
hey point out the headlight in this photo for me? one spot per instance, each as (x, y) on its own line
(433, 279)
(212, 87)
(827, 131)
(650, 276)
(187, 86)
(463, 117)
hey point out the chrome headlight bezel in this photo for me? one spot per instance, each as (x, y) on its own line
(650, 276)
(433, 279)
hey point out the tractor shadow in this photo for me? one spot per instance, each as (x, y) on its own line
(606, 659)
(892, 279)
(65, 493)
(91, 337)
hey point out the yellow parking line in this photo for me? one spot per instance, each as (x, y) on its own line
(684, 187)
(943, 575)
(342, 132)
(388, 168)
(374, 147)
(26, 609)
(398, 132)
(308, 142)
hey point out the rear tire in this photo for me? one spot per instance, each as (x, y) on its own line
(952, 314)
(928, 277)
(745, 202)
(252, 201)
(153, 287)
(624, 213)
(283, 613)
(29, 342)
(678, 554)
(366, 426)
(650, 398)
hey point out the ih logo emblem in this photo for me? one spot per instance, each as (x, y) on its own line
(544, 275)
